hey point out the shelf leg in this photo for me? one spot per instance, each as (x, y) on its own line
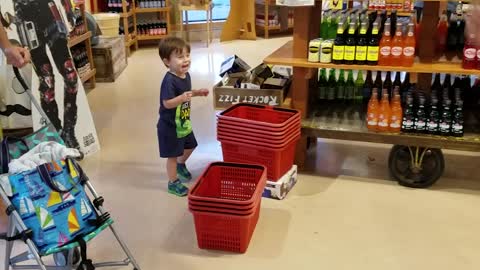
(301, 152)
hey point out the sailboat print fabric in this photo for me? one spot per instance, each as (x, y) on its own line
(55, 218)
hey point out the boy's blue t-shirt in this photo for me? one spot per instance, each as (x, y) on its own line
(177, 119)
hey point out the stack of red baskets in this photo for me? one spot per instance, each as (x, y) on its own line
(225, 203)
(260, 135)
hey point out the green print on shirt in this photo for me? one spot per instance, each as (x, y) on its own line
(182, 120)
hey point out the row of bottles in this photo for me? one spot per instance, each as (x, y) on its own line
(444, 118)
(116, 6)
(330, 88)
(386, 115)
(80, 58)
(403, 5)
(450, 36)
(151, 3)
(80, 27)
(362, 37)
(152, 28)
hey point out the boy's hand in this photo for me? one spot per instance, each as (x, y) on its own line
(202, 92)
(187, 96)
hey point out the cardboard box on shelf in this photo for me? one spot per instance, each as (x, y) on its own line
(233, 64)
(279, 190)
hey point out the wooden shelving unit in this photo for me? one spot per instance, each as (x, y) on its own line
(266, 28)
(126, 14)
(85, 38)
(132, 39)
(320, 124)
(161, 12)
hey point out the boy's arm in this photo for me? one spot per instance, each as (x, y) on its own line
(174, 102)
(200, 92)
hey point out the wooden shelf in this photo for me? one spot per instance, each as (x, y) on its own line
(88, 75)
(130, 42)
(79, 39)
(328, 124)
(156, 37)
(273, 27)
(127, 15)
(284, 56)
(151, 10)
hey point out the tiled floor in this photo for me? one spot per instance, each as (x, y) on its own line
(345, 213)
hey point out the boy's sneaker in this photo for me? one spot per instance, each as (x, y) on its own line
(176, 187)
(183, 173)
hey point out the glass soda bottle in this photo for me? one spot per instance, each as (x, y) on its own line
(322, 86)
(332, 82)
(446, 119)
(397, 47)
(324, 25)
(350, 88)
(372, 112)
(373, 46)
(457, 121)
(442, 32)
(433, 118)
(367, 87)
(470, 53)
(397, 113)
(408, 115)
(359, 83)
(341, 87)
(362, 42)
(350, 42)
(339, 46)
(384, 112)
(408, 56)
(387, 84)
(385, 46)
(420, 122)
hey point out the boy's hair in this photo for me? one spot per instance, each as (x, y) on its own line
(171, 44)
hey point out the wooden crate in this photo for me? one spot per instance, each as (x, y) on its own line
(110, 58)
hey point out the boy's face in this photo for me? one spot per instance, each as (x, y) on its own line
(179, 62)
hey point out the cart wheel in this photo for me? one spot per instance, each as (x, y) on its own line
(60, 258)
(416, 167)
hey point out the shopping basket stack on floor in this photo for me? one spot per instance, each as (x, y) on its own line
(225, 203)
(258, 143)
(260, 135)
(47, 196)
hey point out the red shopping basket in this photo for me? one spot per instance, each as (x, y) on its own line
(260, 115)
(277, 160)
(230, 183)
(228, 232)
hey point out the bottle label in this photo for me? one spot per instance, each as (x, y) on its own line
(408, 123)
(470, 53)
(338, 52)
(432, 125)
(363, 31)
(408, 51)
(349, 53)
(372, 122)
(444, 126)
(397, 51)
(383, 123)
(387, 33)
(410, 34)
(372, 53)
(340, 31)
(420, 124)
(361, 54)
(385, 50)
(375, 31)
(457, 127)
(351, 31)
(478, 54)
(395, 124)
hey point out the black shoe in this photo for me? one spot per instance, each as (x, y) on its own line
(70, 140)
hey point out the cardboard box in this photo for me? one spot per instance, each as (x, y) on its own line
(279, 190)
(233, 64)
(110, 58)
(226, 96)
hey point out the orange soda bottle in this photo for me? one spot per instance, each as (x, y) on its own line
(384, 112)
(385, 46)
(372, 112)
(396, 115)
(397, 46)
(409, 47)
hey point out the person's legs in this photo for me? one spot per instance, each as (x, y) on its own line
(171, 148)
(190, 145)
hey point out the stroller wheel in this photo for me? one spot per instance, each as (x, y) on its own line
(61, 258)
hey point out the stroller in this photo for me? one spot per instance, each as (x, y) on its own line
(66, 256)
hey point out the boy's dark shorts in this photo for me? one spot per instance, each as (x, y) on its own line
(171, 146)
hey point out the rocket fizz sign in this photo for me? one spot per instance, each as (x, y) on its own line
(44, 27)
